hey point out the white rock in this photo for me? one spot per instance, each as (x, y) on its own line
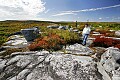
(112, 30)
(16, 41)
(24, 61)
(2, 64)
(78, 49)
(42, 52)
(1, 60)
(117, 33)
(116, 75)
(14, 78)
(23, 53)
(108, 61)
(55, 66)
(30, 76)
(15, 37)
(41, 58)
(22, 74)
(14, 60)
(103, 72)
(96, 32)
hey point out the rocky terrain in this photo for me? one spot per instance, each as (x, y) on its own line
(44, 66)
(75, 62)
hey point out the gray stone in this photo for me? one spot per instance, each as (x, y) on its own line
(109, 64)
(71, 29)
(14, 78)
(53, 26)
(30, 34)
(14, 59)
(16, 41)
(62, 27)
(45, 66)
(24, 61)
(75, 30)
(23, 74)
(117, 33)
(42, 53)
(94, 33)
(2, 64)
(23, 53)
(78, 49)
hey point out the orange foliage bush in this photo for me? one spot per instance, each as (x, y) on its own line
(102, 41)
(51, 41)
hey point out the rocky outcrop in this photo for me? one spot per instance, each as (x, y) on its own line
(110, 63)
(76, 62)
(41, 65)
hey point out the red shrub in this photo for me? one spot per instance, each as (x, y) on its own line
(102, 41)
(32, 46)
(52, 41)
(115, 42)
(42, 44)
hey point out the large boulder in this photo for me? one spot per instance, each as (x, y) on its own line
(30, 33)
(62, 27)
(110, 61)
(41, 65)
(53, 26)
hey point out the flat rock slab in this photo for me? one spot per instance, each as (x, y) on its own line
(78, 49)
(16, 41)
(41, 65)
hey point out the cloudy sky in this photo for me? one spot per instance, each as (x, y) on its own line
(60, 10)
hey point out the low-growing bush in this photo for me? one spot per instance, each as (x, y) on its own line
(69, 37)
(49, 42)
(102, 41)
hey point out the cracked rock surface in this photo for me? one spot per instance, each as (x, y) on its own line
(110, 62)
(41, 65)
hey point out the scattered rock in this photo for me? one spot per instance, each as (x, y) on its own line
(62, 27)
(96, 33)
(117, 33)
(45, 65)
(53, 26)
(75, 30)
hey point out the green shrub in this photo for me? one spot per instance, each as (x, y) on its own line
(69, 37)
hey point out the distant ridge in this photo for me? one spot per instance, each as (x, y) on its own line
(51, 21)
